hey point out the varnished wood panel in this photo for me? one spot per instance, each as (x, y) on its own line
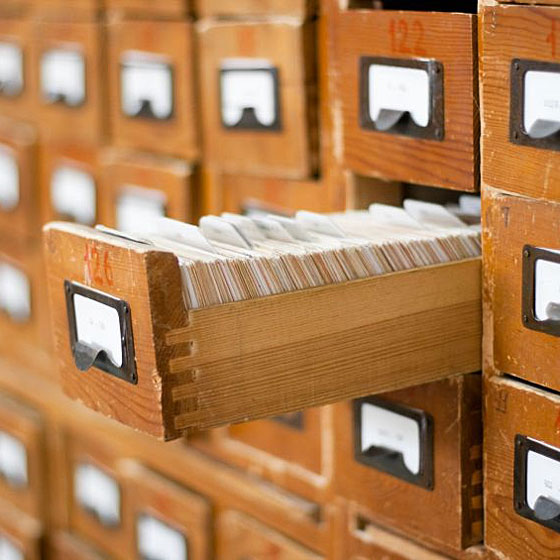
(447, 517)
(513, 408)
(508, 32)
(510, 223)
(88, 122)
(200, 369)
(449, 38)
(65, 546)
(239, 536)
(170, 9)
(174, 40)
(289, 46)
(25, 424)
(174, 178)
(22, 223)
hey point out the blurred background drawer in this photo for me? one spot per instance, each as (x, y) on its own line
(22, 460)
(65, 546)
(259, 85)
(20, 535)
(412, 459)
(520, 76)
(429, 137)
(137, 187)
(239, 536)
(170, 9)
(235, 8)
(72, 78)
(152, 86)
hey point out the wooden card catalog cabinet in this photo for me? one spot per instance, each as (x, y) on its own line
(523, 273)
(137, 188)
(164, 369)
(171, 522)
(404, 96)
(98, 501)
(70, 183)
(521, 116)
(17, 76)
(239, 536)
(152, 86)
(522, 470)
(71, 73)
(422, 447)
(19, 192)
(259, 87)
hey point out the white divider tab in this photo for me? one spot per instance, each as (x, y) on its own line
(63, 76)
(541, 103)
(396, 90)
(137, 207)
(547, 290)
(146, 85)
(15, 292)
(158, 541)
(249, 94)
(98, 493)
(9, 551)
(11, 69)
(73, 194)
(13, 460)
(9, 178)
(383, 428)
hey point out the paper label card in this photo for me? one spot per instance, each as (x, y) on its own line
(137, 207)
(63, 76)
(9, 551)
(73, 194)
(9, 179)
(13, 460)
(541, 103)
(15, 293)
(146, 86)
(249, 95)
(158, 541)
(11, 69)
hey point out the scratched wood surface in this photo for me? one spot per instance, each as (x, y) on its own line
(230, 363)
(175, 179)
(239, 536)
(510, 223)
(508, 32)
(24, 423)
(448, 517)
(513, 408)
(20, 30)
(451, 163)
(181, 509)
(296, 8)
(88, 122)
(173, 40)
(288, 45)
(21, 223)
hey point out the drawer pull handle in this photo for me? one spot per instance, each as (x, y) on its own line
(546, 509)
(402, 97)
(249, 95)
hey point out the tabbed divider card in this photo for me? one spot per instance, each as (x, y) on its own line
(234, 264)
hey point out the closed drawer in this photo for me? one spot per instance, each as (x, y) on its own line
(24, 314)
(138, 187)
(71, 80)
(98, 500)
(298, 8)
(181, 379)
(19, 190)
(70, 186)
(420, 449)
(239, 536)
(20, 535)
(22, 460)
(259, 86)
(17, 74)
(433, 120)
(167, 517)
(521, 143)
(522, 461)
(522, 276)
(152, 86)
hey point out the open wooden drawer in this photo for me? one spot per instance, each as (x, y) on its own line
(196, 369)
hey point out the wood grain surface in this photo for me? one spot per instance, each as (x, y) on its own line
(508, 32)
(451, 163)
(240, 8)
(65, 546)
